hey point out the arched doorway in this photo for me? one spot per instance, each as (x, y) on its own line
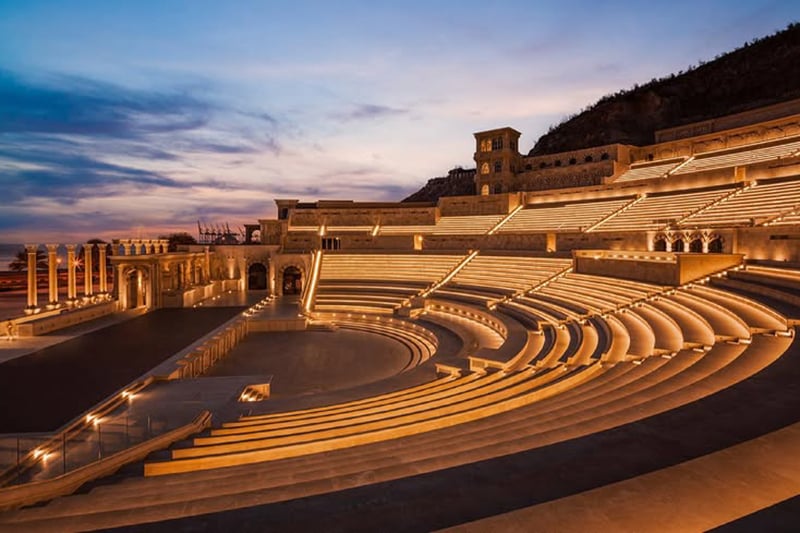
(257, 277)
(678, 246)
(696, 246)
(135, 289)
(715, 246)
(292, 282)
(660, 245)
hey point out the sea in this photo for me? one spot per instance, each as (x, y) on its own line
(7, 254)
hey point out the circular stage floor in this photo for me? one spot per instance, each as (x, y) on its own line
(308, 362)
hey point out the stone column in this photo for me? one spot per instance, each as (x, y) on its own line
(231, 267)
(188, 274)
(101, 268)
(207, 265)
(271, 280)
(33, 305)
(88, 284)
(52, 275)
(72, 286)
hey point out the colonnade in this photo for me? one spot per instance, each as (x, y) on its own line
(72, 265)
(670, 239)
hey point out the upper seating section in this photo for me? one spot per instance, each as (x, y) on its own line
(649, 170)
(754, 206)
(748, 155)
(659, 211)
(568, 217)
(454, 225)
(349, 229)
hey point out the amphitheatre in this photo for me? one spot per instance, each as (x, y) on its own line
(601, 339)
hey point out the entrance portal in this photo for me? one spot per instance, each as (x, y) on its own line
(257, 277)
(134, 293)
(292, 280)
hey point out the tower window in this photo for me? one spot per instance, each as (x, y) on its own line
(497, 143)
(484, 168)
(498, 166)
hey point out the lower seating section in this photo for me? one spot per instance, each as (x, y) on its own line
(376, 283)
(753, 207)
(660, 210)
(507, 274)
(599, 354)
(562, 217)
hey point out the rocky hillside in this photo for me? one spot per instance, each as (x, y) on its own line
(759, 73)
(458, 182)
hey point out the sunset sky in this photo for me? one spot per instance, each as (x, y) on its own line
(137, 118)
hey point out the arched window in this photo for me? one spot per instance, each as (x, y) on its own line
(678, 246)
(484, 189)
(660, 245)
(604, 156)
(572, 160)
(588, 159)
(498, 166)
(696, 246)
(484, 168)
(715, 246)
(486, 145)
(497, 143)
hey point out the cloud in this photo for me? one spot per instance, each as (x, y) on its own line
(80, 106)
(369, 112)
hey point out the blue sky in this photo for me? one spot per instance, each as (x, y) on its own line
(137, 118)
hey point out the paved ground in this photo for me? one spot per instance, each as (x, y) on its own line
(765, 402)
(44, 390)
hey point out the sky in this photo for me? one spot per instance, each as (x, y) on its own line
(138, 118)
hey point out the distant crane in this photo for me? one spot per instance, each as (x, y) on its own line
(216, 233)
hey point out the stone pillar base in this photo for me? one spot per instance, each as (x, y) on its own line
(32, 310)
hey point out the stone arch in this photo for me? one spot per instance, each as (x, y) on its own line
(696, 245)
(485, 189)
(660, 244)
(716, 244)
(257, 276)
(134, 287)
(291, 279)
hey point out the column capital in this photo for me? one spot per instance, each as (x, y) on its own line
(51, 247)
(70, 247)
(31, 248)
